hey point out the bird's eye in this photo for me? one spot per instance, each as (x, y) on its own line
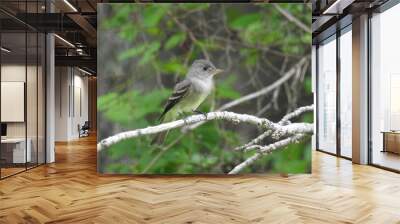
(205, 68)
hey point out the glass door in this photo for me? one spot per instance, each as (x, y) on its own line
(346, 92)
(326, 95)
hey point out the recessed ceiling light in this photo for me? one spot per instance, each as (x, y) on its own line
(5, 50)
(64, 40)
(337, 7)
(84, 71)
(70, 5)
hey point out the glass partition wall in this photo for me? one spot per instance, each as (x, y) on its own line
(327, 95)
(385, 89)
(334, 105)
(334, 94)
(22, 98)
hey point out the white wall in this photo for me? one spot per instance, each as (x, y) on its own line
(14, 73)
(61, 103)
(33, 126)
(80, 94)
(17, 73)
(71, 94)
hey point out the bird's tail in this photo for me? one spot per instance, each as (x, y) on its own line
(159, 138)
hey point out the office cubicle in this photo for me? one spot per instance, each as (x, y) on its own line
(22, 92)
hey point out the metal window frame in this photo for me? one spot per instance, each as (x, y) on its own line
(340, 31)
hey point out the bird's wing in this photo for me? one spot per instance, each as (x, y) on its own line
(180, 91)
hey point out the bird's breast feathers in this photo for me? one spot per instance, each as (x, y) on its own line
(203, 85)
(197, 94)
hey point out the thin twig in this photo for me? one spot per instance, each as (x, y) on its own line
(283, 121)
(192, 37)
(292, 19)
(266, 150)
(295, 113)
(162, 151)
(266, 89)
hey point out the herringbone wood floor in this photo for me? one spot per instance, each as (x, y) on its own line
(70, 191)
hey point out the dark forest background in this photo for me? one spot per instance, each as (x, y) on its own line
(144, 49)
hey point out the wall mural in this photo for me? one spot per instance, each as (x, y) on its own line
(204, 88)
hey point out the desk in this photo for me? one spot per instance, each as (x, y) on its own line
(16, 147)
(391, 141)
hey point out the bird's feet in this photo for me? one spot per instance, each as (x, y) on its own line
(185, 121)
(200, 112)
(183, 116)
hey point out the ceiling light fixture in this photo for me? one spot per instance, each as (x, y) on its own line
(337, 7)
(70, 5)
(64, 40)
(84, 71)
(5, 50)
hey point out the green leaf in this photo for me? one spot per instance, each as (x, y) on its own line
(175, 40)
(104, 100)
(308, 117)
(120, 17)
(308, 85)
(194, 6)
(128, 32)
(252, 58)
(132, 52)
(173, 66)
(209, 45)
(150, 52)
(152, 14)
(226, 89)
(243, 21)
(130, 109)
(254, 32)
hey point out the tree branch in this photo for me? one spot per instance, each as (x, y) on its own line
(266, 150)
(265, 90)
(292, 19)
(192, 37)
(296, 113)
(283, 121)
(236, 118)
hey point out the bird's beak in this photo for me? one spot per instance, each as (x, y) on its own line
(217, 71)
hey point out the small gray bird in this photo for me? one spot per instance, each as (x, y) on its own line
(188, 94)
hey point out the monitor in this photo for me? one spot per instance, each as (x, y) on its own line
(3, 129)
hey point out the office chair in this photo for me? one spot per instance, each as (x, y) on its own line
(84, 130)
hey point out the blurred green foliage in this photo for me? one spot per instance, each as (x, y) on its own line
(160, 45)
